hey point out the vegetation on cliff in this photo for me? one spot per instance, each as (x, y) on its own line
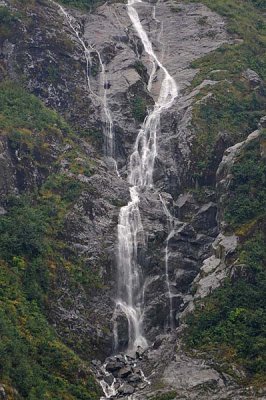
(33, 359)
(83, 4)
(230, 324)
(227, 111)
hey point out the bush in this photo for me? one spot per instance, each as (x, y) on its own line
(139, 108)
(247, 190)
(19, 109)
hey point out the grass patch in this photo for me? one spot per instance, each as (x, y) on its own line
(8, 20)
(165, 396)
(233, 109)
(20, 109)
(82, 4)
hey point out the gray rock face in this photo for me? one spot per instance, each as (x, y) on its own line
(252, 77)
(168, 367)
(125, 390)
(110, 32)
(262, 123)
(3, 395)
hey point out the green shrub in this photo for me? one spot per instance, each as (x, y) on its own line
(32, 358)
(139, 108)
(247, 191)
(19, 109)
(7, 21)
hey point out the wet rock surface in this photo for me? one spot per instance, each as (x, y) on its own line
(120, 376)
(49, 57)
(166, 368)
(186, 376)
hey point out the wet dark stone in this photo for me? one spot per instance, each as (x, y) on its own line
(124, 372)
(114, 366)
(134, 378)
(108, 379)
(126, 389)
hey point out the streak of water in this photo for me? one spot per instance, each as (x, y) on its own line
(108, 390)
(130, 299)
(88, 49)
(145, 149)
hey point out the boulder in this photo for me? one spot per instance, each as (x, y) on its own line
(262, 123)
(114, 366)
(252, 77)
(185, 206)
(108, 379)
(187, 230)
(126, 389)
(134, 378)
(124, 372)
(139, 353)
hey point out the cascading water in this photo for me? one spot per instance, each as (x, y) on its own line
(130, 231)
(130, 300)
(130, 297)
(109, 143)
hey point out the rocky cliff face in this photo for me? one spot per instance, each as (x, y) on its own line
(42, 51)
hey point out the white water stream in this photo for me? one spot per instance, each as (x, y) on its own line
(88, 49)
(130, 299)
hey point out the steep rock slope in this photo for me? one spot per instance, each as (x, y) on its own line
(51, 77)
(42, 51)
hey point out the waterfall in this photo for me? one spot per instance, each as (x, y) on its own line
(88, 49)
(130, 293)
(130, 300)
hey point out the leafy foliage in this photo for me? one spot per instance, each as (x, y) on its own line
(248, 187)
(32, 358)
(7, 22)
(20, 109)
(139, 108)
